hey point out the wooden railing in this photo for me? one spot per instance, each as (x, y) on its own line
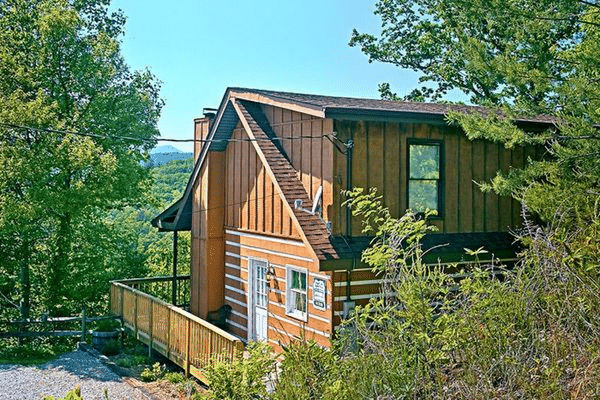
(185, 339)
(175, 291)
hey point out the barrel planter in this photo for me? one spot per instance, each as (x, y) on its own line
(99, 339)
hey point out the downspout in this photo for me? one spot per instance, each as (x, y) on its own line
(349, 147)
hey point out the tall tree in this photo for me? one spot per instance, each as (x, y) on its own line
(61, 71)
(519, 58)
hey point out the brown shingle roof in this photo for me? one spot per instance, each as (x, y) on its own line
(312, 226)
(334, 104)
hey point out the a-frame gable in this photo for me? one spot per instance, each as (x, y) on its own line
(312, 229)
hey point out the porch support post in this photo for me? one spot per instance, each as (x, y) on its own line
(174, 286)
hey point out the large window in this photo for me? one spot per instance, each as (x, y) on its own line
(424, 178)
(296, 293)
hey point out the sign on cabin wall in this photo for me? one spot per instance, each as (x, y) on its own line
(319, 294)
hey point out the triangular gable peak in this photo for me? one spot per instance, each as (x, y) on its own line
(290, 189)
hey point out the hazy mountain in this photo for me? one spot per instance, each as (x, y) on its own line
(163, 154)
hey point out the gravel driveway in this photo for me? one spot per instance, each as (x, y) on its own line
(63, 374)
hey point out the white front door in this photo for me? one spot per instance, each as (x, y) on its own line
(259, 292)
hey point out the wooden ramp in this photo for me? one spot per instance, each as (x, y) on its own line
(182, 337)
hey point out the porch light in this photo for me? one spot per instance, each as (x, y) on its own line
(270, 273)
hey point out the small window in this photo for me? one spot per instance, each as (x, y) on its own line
(424, 179)
(296, 293)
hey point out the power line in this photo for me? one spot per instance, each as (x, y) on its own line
(331, 136)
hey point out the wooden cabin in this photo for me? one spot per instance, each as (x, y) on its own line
(270, 237)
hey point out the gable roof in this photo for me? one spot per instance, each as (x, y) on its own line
(238, 102)
(351, 107)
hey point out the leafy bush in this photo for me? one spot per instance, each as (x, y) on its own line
(242, 377)
(174, 377)
(153, 374)
(107, 325)
(131, 361)
(74, 394)
(111, 348)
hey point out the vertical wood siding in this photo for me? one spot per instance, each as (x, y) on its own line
(308, 150)
(379, 160)
(252, 201)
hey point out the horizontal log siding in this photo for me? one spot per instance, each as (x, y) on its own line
(364, 285)
(379, 160)
(239, 247)
(252, 202)
(309, 152)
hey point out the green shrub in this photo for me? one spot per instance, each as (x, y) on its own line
(242, 377)
(74, 394)
(107, 325)
(111, 348)
(153, 374)
(174, 377)
(131, 361)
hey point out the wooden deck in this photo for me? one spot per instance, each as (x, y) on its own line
(182, 337)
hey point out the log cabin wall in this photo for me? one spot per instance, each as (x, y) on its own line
(308, 149)
(241, 248)
(380, 159)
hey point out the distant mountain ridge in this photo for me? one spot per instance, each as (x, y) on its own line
(163, 154)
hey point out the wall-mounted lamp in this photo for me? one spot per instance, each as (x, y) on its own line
(270, 273)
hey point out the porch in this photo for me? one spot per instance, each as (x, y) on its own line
(182, 337)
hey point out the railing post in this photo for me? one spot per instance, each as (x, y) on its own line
(135, 315)
(168, 333)
(121, 301)
(150, 329)
(187, 347)
(83, 324)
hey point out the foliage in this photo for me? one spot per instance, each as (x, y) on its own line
(74, 394)
(521, 59)
(129, 361)
(111, 348)
(242, 377)
(174, 377)
(107, 325)
(154, 373)
(33, 351)
(532, 334)
(61, 70)
(307, 371)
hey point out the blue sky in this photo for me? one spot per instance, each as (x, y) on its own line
(199, 48)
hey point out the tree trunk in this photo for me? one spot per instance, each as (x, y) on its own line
(57, 267)
(25, 282)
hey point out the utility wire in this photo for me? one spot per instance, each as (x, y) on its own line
(330, 136)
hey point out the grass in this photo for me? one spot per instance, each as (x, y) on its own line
(33, 351)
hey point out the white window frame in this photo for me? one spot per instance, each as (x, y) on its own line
(290, 294)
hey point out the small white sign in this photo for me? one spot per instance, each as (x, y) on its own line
(319, 291)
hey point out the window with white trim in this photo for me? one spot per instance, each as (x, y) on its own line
(296, 292)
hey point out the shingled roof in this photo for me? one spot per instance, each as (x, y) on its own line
(332, 106)
(326, 248)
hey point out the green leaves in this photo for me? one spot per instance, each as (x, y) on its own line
(61, 70)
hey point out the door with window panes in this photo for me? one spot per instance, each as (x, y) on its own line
(259, 300)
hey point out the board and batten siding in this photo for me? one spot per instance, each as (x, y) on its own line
(306, 141)
(380, 160)
(242, 246)
(252, 201)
